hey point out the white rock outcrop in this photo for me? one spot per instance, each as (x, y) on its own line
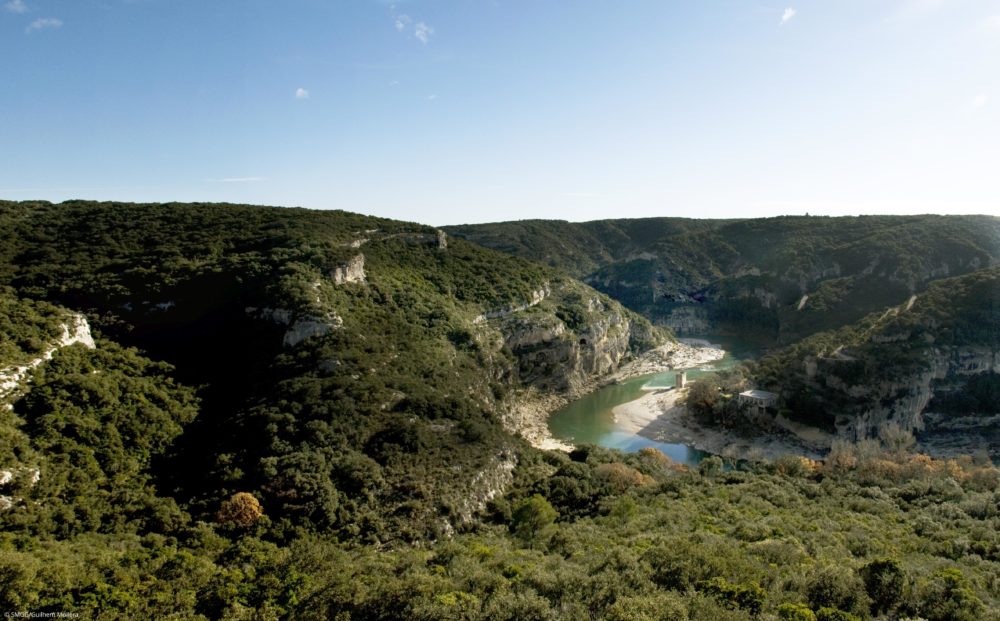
(309, 326)
(537, 297)
(352, 271)
(8, 477)
(75, 330)
(301, 327)
(492, 481)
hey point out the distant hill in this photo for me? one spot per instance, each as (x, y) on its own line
(777, 279)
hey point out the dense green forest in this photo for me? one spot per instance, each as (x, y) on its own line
(366, 403)
(750, 276)
(28, 328)
(595, 534)
(290, 414)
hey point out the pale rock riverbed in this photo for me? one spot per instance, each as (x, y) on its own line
(682, 355)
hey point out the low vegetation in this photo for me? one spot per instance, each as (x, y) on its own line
(596, 534)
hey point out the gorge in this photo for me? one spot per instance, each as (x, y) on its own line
(319, 413)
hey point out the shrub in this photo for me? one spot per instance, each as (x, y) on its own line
(532, 517)
(837, 587)
(795, 466)
(749, 597)
(884, 582)
(832, 614)
(842, 456)
(655, 456)
(949, 597)
(710, 466)
(896, 439)
(796, 612)
(619, 477)
(241, 510)
(648, 608)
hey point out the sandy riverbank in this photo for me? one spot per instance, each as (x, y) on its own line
(657, 416)
(529, 416)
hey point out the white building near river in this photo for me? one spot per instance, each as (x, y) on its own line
(760, 399)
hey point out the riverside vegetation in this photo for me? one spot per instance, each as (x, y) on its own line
(295, 414)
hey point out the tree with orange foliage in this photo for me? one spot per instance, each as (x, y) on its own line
(242, 510)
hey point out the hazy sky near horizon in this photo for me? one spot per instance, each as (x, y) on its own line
(458, 111)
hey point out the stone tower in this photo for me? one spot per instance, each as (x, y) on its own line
(681, 379)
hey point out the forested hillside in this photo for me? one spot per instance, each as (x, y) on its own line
(353, 372)
(235, 412)
(928, 365)
(776, 279)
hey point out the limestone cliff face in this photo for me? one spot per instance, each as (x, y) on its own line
(351, 271)
(902, 399)
(537, 297)
(308, 326)
(805, 297)
(299, 326)
(75, 330)
(885, 368)
(553, 358)
(571, 340)
(687, 320)
(752, 275)
(488, 483)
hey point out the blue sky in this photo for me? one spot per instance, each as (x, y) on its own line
(476, 110)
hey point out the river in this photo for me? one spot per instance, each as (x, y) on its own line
(589, 420)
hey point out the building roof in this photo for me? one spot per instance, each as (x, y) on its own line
(758, 394)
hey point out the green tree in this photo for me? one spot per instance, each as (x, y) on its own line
(796, 612)
(833, 614)
(703, 397)
(884, 581)
(949, 597)
(749, 597)
(532, 516)
(837, 587)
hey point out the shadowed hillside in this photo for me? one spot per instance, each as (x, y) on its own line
(353, 371)
(778, 279)
(928, 365)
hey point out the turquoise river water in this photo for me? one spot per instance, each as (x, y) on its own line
(589, 420)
